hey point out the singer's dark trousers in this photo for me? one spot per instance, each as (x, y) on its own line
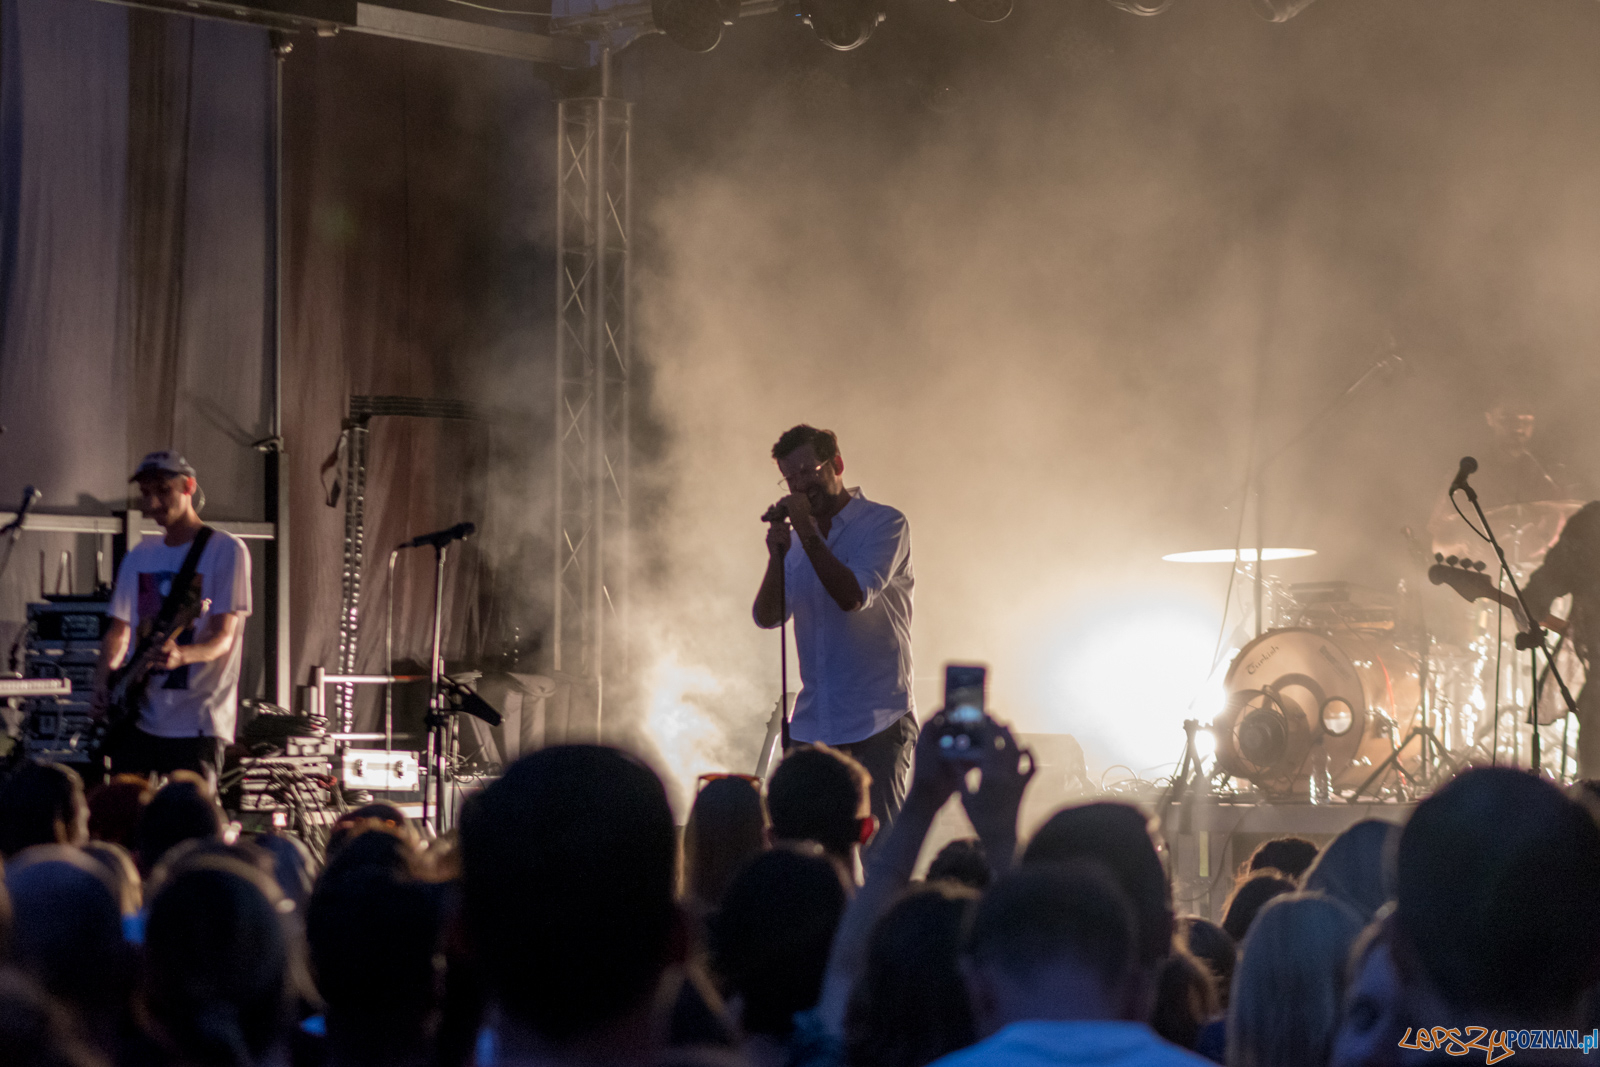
(887, 757)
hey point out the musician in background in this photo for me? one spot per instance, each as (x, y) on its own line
(1518, 489)
(1573, 566)
(187, 716)
(840, 566)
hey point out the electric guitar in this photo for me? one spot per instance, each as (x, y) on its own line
(1469, 580)
(126, 685)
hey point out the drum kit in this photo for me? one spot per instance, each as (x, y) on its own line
(1347, 694)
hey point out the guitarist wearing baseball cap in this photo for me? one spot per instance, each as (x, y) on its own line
(180, 602)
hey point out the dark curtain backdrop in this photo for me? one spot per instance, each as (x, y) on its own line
(417, 252)
(134, 284)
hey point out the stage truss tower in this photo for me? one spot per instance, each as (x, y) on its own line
(592, 362)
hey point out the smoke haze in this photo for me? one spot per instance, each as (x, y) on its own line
(1052, 280)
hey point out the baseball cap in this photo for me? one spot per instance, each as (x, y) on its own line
(162, 463)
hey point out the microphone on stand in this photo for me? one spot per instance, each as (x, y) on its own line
(1469, 467)
(30, 497)
(439, 538)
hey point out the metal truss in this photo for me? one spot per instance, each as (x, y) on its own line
(592, 356)
(354, 446)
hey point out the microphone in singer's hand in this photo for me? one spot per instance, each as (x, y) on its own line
(776, 513)
(1469, 467)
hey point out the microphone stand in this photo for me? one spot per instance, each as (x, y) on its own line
(439, 721)
(1388, 362)
(13, 529)
(1533, 640)
(783, 653)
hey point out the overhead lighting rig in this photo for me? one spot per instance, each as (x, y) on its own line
(699, 25)
(694, 24)
(842, 25)
(1271, 10)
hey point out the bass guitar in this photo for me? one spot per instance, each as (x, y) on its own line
(1468, 579)
(126, 685)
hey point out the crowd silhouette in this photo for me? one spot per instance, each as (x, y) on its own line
(570, 922)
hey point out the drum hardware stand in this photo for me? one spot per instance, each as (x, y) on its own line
(1186, 778)
(1432, 750)
(1534, 639)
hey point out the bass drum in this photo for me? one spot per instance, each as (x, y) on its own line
(1359, 678)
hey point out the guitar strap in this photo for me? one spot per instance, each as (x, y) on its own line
(180, 584)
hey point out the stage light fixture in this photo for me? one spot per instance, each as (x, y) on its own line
(695, 25)
(1277, 10)
(1142, 7)
(842, 25)
(987, 10)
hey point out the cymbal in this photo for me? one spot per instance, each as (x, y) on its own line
(1533, 511)
(1242, 555)
(1527, 530)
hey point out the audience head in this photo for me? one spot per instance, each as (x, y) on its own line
(1052, 941)
(35, 1031)
(1214, 948)
(68, 928)
(1186, 999)
(1291, 855)
(770, 938)
(217, 968)
(727, 826)
(1371, 1022)
(568, 865)
(910, 1005)
(1354, 867)
(1248, 898)
(962, 861)
(1497, 881)
(375, 816)
(182, 810)
(42, 804)
(118, 865)
(1118, 837)
(373, 932)
(820, 794)
(292, 866)
(116, 807)
(1287, 988)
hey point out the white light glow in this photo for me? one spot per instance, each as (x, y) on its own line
(1243, 555)
(688, 737)
(1131, 673)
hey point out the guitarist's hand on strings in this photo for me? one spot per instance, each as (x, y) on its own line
(175, 656)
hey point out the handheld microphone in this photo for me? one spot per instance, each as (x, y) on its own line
(439, 538)
(776, 513)
(1469, 467)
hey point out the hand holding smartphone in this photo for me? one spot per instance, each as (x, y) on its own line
(965, 718)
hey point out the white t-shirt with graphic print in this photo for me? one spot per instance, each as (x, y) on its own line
(199, 698)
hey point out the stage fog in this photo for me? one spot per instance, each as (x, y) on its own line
(1057, 284)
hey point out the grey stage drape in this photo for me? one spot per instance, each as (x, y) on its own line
(134, 284)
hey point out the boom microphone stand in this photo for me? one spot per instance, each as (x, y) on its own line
(440, 722)
(1534, 639)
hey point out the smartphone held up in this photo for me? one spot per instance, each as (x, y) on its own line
(965, 716)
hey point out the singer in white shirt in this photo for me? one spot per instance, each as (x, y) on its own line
(839, 566)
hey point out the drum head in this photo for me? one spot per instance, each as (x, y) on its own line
(1312, 678)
